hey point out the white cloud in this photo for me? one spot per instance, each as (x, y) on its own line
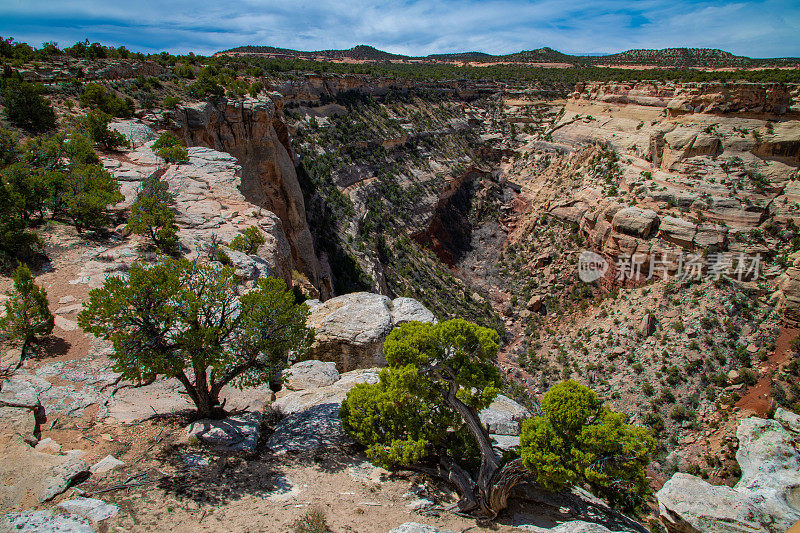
(756, 28)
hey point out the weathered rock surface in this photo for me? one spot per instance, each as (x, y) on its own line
(788, 419)
(31, 475)
(310, 374)
(503, 416)
(90, 508)
(44, 522)
(763, 500)
(106, 464)
(136, 132)
(295, 402)
(350, 329)
(254, 133)
(233, 433)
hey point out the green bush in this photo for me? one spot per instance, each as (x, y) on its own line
(97, 96)
(25, 106)
(151, 214)
(95, 124)
(248, 241)
(577, 439)
(27, 314)
(169, 148)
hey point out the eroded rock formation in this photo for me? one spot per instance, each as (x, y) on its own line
(253, 131)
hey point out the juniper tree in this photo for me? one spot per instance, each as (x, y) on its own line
(186, 320)
(151, 214)
(27, 314)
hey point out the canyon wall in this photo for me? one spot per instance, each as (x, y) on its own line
(253, 131)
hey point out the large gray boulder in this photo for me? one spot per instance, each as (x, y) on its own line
(503, 416)
(350, 329)
(635, 221)
(416, 527)
(764, 499)
(310, 374)
(335, 393)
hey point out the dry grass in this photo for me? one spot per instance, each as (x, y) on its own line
(311, 522)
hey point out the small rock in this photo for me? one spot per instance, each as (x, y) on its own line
(48, 445)
(108, 463)
(93, 509)
(68, 299)
(415, 527)
(420, 504)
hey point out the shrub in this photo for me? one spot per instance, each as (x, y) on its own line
(577, 439)
(312, 522)
(180, 319)
(88, 190)
(97, 96)
(248, 241)
(26, 107)
(169, 148)
(95, 124)
(423, 412)
(27, 314)
(151, 214)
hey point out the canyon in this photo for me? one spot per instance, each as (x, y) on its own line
(384, 201)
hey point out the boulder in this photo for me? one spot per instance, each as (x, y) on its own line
(28, 474)
(503, 416)
(19, 421)
(295, 402)
(310, 374)
(90, 508)
(44, 522)
(762, 501)
(234, 433)
(136, 132)
(635, 221)
(788, 419)
(410, 310)
(350, 329)
(648, 325)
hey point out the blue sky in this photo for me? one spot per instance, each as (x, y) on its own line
(768, 28)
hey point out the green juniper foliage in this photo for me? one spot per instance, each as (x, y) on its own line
(169, 148)
(26, 309)
(151, 214)
(248, 241)
(186, 320)
(578, 440)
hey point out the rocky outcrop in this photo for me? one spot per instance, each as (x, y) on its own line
(789, 287)
(253, 132)
(764, 499)
(209, 204)
(719, 98)
(350, 329)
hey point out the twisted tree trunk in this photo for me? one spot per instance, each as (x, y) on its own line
(488, 494)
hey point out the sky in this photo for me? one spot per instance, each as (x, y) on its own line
(766, 28)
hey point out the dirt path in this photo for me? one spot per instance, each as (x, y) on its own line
(759, 397)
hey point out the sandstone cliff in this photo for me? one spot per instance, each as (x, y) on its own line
(254, 133)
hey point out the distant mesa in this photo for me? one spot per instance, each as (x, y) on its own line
(667, 57)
